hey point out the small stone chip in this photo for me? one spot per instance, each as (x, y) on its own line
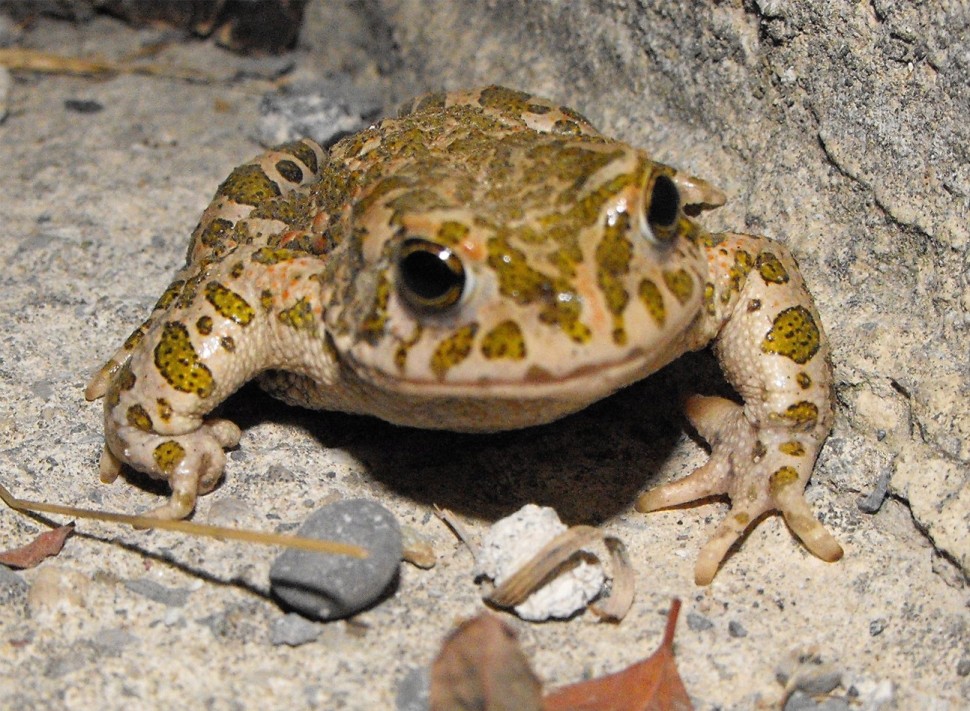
(329, 587)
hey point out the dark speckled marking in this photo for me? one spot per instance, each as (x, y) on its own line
(290, 170)
(754, 305)
(653, 301)
(804, 380)
(771, 269)
(758, 451)
(793, 335)
(229, 304)
(509, 100)
(504, 341)
(228, 343)
(164, 409)
(179, 364)
(680, 283)
(782, 479)
(803, 415)
(237, 270)
(248, 185)
(299, 316)
(216, 232)
(168, 455)
(137, 417)
(613, 254)
(453, 350)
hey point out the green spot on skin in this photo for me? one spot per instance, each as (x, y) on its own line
(504, 341)
(450, 233)
(613, 254)
(653, 301)
(742, 518)
(793, 335)
(299, 316)
(179, 364)
(737, 274)
(802, 414)
(782, 479)
(228, 303)
(169, 296)
(270, 255)
(204, 325)
(138, 418)
(453, 350)
(792, 448)
(248, 185)
(680, 283)
(168, 455)
(771, 269)
(266, 299)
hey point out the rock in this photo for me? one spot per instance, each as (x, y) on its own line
(293, 630)
(514, 540)
(328, 587)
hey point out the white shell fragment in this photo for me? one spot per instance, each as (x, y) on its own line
(513, 541)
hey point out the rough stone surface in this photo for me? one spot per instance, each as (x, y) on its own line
(328, 587)
(513, 541)
(839, 128)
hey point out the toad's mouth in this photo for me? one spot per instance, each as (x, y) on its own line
(585, 383)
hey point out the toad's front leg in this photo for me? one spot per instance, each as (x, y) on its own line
(254, 310)
(770, 343)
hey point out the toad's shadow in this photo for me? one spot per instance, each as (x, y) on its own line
(588, 466)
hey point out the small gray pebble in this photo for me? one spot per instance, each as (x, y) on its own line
(293, 630)
(736, 629)
(872, 502)
(173, 597)
(414, 691)
(328, 587)
(698, 622)
(877, 626)
(963, 667)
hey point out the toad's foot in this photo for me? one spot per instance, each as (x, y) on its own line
(761, 469)
(192, 463)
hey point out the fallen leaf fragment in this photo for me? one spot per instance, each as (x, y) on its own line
(650, 685)
(481, 668)
(45, 545)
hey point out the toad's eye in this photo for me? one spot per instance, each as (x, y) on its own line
(663, 209)
(430, 277)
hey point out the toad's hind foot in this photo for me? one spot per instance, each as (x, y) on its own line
(761, 469)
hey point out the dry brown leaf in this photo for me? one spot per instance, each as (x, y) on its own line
(481, 668)
(43, 546)
(650, 685)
